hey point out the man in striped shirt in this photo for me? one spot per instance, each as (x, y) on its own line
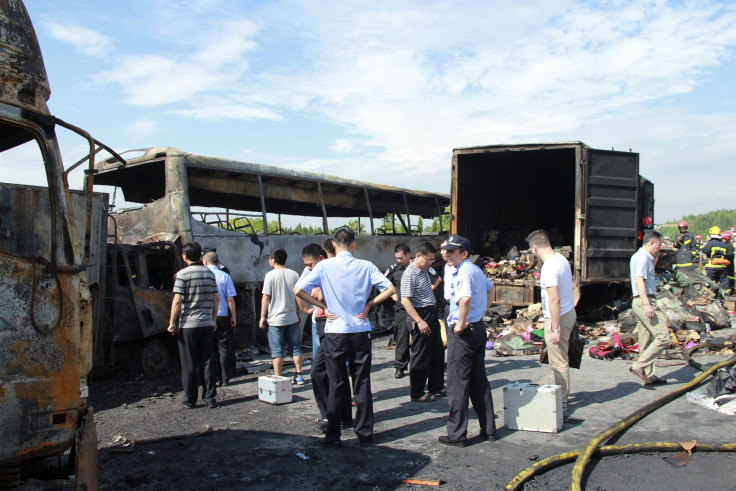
(195, 309)
(427, 351)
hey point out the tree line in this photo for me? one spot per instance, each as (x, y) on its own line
(700, 224)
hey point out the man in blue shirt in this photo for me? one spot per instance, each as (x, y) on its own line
(346, 284)
(226, 319)
(470, 297)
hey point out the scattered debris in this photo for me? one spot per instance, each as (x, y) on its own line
(423, 482)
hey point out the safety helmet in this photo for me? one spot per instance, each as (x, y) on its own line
(698, 237)
(726, 235)
(647, 221)
(714, 230)
(681, 224)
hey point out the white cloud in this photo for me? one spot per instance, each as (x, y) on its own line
(142, 128)
(216, 109)
(411, 80)
(85, 40)
(154, 79)
(343, 145)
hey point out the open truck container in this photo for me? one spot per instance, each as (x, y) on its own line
(592, 200)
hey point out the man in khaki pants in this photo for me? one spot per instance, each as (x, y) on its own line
(653, 332)
(558, 306)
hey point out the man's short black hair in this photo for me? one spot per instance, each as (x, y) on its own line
(192, 251)
(344, 236)
(329, 245)
(539, 238)
(279, 256)
(314, 251)
(425, 248)
(403, 248)
(650, 235)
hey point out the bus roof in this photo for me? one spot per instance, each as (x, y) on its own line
(216, 182)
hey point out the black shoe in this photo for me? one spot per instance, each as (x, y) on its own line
(366, 442)
(211, 404)
(189, 405)
(446, 440)
(487, 437)
(323, 424)
(399, 373)
(330, 443)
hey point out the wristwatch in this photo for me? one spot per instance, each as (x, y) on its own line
(555, 332)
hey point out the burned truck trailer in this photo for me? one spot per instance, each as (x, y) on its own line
(592, 201)
(240, 209)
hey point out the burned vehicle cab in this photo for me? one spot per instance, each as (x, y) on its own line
(139, 292)
(46, 324)
(589, 201)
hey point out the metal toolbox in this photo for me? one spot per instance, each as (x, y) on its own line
(274, 389)
(532, 407)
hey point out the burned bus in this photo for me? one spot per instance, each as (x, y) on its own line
(244, 211)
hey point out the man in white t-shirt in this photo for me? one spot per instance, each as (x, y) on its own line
(558, 307)
(280, 313)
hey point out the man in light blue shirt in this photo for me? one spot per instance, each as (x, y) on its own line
(654, 335)
(224, 351)
(346, 284)
(470, 297)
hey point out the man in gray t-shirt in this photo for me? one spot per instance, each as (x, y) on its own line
(193, 315)
(280, 313)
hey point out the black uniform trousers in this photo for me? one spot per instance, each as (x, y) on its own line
(355, 348)
(223, 348)
(195, 351)
(401, 355)
(466, 377)
(427, 354)
(720, 276)
(321, 382)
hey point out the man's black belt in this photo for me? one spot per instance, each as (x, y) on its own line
(425, 308)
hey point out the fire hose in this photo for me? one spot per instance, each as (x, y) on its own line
(593, 448)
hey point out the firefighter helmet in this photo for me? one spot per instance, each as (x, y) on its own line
(715, 230)
(698, 237)
(647, 221)
(726, 235)
(681, 224)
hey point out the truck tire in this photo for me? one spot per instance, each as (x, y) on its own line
(155, 357)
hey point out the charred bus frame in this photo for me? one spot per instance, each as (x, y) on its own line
(212, 201)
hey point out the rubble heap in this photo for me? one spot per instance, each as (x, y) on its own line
(688, 300)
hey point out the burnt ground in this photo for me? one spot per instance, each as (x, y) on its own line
(148, 440)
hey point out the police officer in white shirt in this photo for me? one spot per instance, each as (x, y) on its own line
(346, 284)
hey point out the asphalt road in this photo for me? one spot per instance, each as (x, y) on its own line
(248, 444)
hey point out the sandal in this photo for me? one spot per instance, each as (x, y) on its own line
(424, 398)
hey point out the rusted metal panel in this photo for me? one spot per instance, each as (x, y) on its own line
(513, 293)
(39, 366)
(23, 80)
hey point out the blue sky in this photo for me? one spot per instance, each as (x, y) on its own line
(383, 91)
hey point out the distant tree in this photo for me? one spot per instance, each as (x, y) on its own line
(435, 227)
(253, 225)
(700, 224)
(352, 224)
